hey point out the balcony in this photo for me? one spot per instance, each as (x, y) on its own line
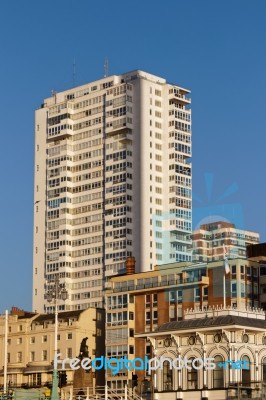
(116, 126)
(179, 239)
(61, 131)
(179, 98)
(190, 281)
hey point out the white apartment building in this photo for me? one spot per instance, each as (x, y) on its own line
(112, 180)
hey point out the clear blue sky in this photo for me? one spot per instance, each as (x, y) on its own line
(215, 48)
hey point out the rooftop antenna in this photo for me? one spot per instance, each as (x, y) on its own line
(106, 67)
(54, 95)
(74, 72)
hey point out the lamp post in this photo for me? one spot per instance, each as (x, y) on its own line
(54, 293)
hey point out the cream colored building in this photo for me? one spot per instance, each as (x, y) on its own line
(31, 343)
(112, 180)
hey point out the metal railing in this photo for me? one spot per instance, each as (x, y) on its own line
(68, 393)
(99, 393)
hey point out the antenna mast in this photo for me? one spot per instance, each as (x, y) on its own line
(106, 67)
(74, 72)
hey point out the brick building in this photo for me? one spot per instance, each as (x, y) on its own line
(143, 302)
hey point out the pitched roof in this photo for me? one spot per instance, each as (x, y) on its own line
(222, 320)
(61, 315)
(26, 314)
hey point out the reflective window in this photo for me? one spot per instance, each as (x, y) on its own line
(167, 376)
(218, 373)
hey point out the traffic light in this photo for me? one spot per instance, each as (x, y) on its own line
(63, 378)
(134, 380)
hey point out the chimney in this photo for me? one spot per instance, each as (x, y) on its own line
(130, 265)
(17, 311)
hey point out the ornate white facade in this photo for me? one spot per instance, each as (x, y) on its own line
(220, 334)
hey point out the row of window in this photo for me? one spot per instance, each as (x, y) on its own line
(32, 338)
(193, 374)
(32, 355)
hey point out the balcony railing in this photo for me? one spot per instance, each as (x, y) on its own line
(173, 282)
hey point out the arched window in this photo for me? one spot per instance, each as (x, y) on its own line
(167, 376)
(192, 375)
(264, 370)
(218, 373)
(246, 372)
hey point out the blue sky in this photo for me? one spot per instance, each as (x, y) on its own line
(215, 48)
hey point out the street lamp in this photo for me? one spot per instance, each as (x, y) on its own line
(54, 293)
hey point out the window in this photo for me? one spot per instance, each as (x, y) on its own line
(69, 336)
(39, 379)
(32, 340)
(234, 289)
(44, 355)
(58, 337)
(167, 376)
(243, 290)
(264, 369)
(197, 294)
(179, 296)
(69, 352)
(148, 316)
(35, 379)
(246, 372)
(172, 313)
(205, 293)
(8, 357)
(192, 376)
(148, 300)
(172, 296)
(44, 338)
(218, 373)
(19, 340)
